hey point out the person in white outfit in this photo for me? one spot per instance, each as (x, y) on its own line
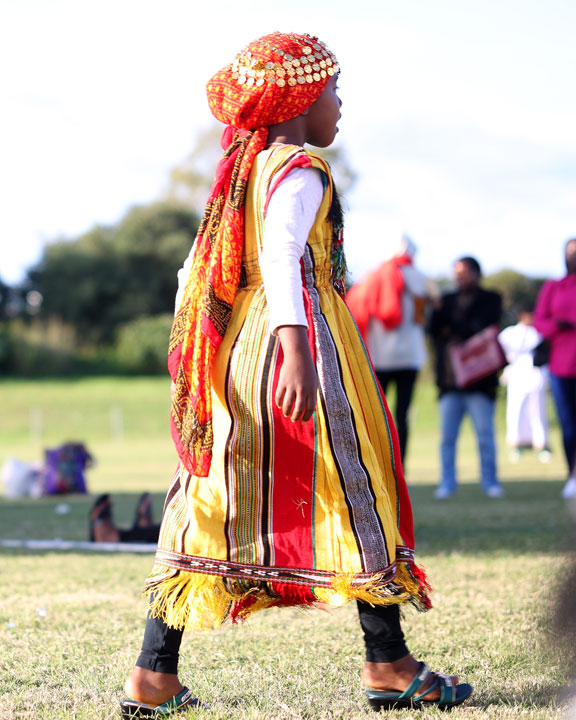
(526, 413)
(388, 306)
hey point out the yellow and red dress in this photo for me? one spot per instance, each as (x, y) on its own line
(290, 513)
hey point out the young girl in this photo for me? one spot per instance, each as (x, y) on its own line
(289, 490)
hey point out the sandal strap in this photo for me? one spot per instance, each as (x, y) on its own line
(419, 679)
(427, 690)
(448, 693)
(174, 703)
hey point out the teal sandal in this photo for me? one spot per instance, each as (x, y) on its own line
(133, 710)
(450, 694)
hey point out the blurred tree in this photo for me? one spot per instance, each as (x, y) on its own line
(153, 241)
(4, 289)
(141, 344)
(190, 181)
(518, 291)
(5, 344)
(112, 275)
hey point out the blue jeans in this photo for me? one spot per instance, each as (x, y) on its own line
(564, 393)
(453, 406)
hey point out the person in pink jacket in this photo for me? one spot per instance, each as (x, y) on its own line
(555, 319)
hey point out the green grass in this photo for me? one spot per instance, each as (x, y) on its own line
(71, 623)
(123, 421)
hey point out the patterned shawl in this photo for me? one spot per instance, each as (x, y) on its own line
(274, 79)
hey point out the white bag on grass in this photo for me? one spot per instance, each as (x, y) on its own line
(20, 479)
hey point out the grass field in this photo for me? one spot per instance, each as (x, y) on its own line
(71, 623)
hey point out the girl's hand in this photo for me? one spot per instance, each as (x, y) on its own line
(298, 381)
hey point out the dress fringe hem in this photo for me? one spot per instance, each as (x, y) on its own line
(199, 601)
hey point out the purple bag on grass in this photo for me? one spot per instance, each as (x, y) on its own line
(64, 469)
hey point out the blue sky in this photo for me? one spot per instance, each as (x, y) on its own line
(459, 117)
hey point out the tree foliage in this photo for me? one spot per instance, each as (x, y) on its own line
(190, 181)
(4, 291)
(112, 275)
(141, 345)
(518, 291)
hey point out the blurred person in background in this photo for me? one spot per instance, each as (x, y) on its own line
(526, 383)
(555, 319)
(458, 316)
(103, 528)
(565, 623)
(389, 309)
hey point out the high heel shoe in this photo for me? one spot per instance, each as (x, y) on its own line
(133, 710)
(450, 694)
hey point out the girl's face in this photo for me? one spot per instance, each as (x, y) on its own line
(323, 115)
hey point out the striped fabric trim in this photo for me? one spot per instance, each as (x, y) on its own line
(248, 447)
(389, 446)
(262, 573)
(404, 554)
(343, 436)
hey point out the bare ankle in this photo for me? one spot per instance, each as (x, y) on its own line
(150, 687)
(389, 674)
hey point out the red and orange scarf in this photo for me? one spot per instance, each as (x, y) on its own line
(274, 79)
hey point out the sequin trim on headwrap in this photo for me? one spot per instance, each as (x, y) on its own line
(273, 79)
(315, 64)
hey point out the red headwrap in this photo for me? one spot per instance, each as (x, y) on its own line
(274, 79)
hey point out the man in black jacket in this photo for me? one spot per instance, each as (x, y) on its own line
(460, 315)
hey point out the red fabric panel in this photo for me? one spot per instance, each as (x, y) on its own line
(293, 473)
(301, 160)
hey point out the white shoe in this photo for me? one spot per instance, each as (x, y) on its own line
(495, 491)
(441, 493)
(545, 456)
(569, 490)
(514, 455)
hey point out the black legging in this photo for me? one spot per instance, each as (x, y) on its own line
(140, 534)
(404, 381)
(383, 638)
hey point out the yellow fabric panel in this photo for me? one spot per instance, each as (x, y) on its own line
(334, 542)
(198, 511)
(364, 397)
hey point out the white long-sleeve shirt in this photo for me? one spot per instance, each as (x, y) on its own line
(291, 213)
(289, 218)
